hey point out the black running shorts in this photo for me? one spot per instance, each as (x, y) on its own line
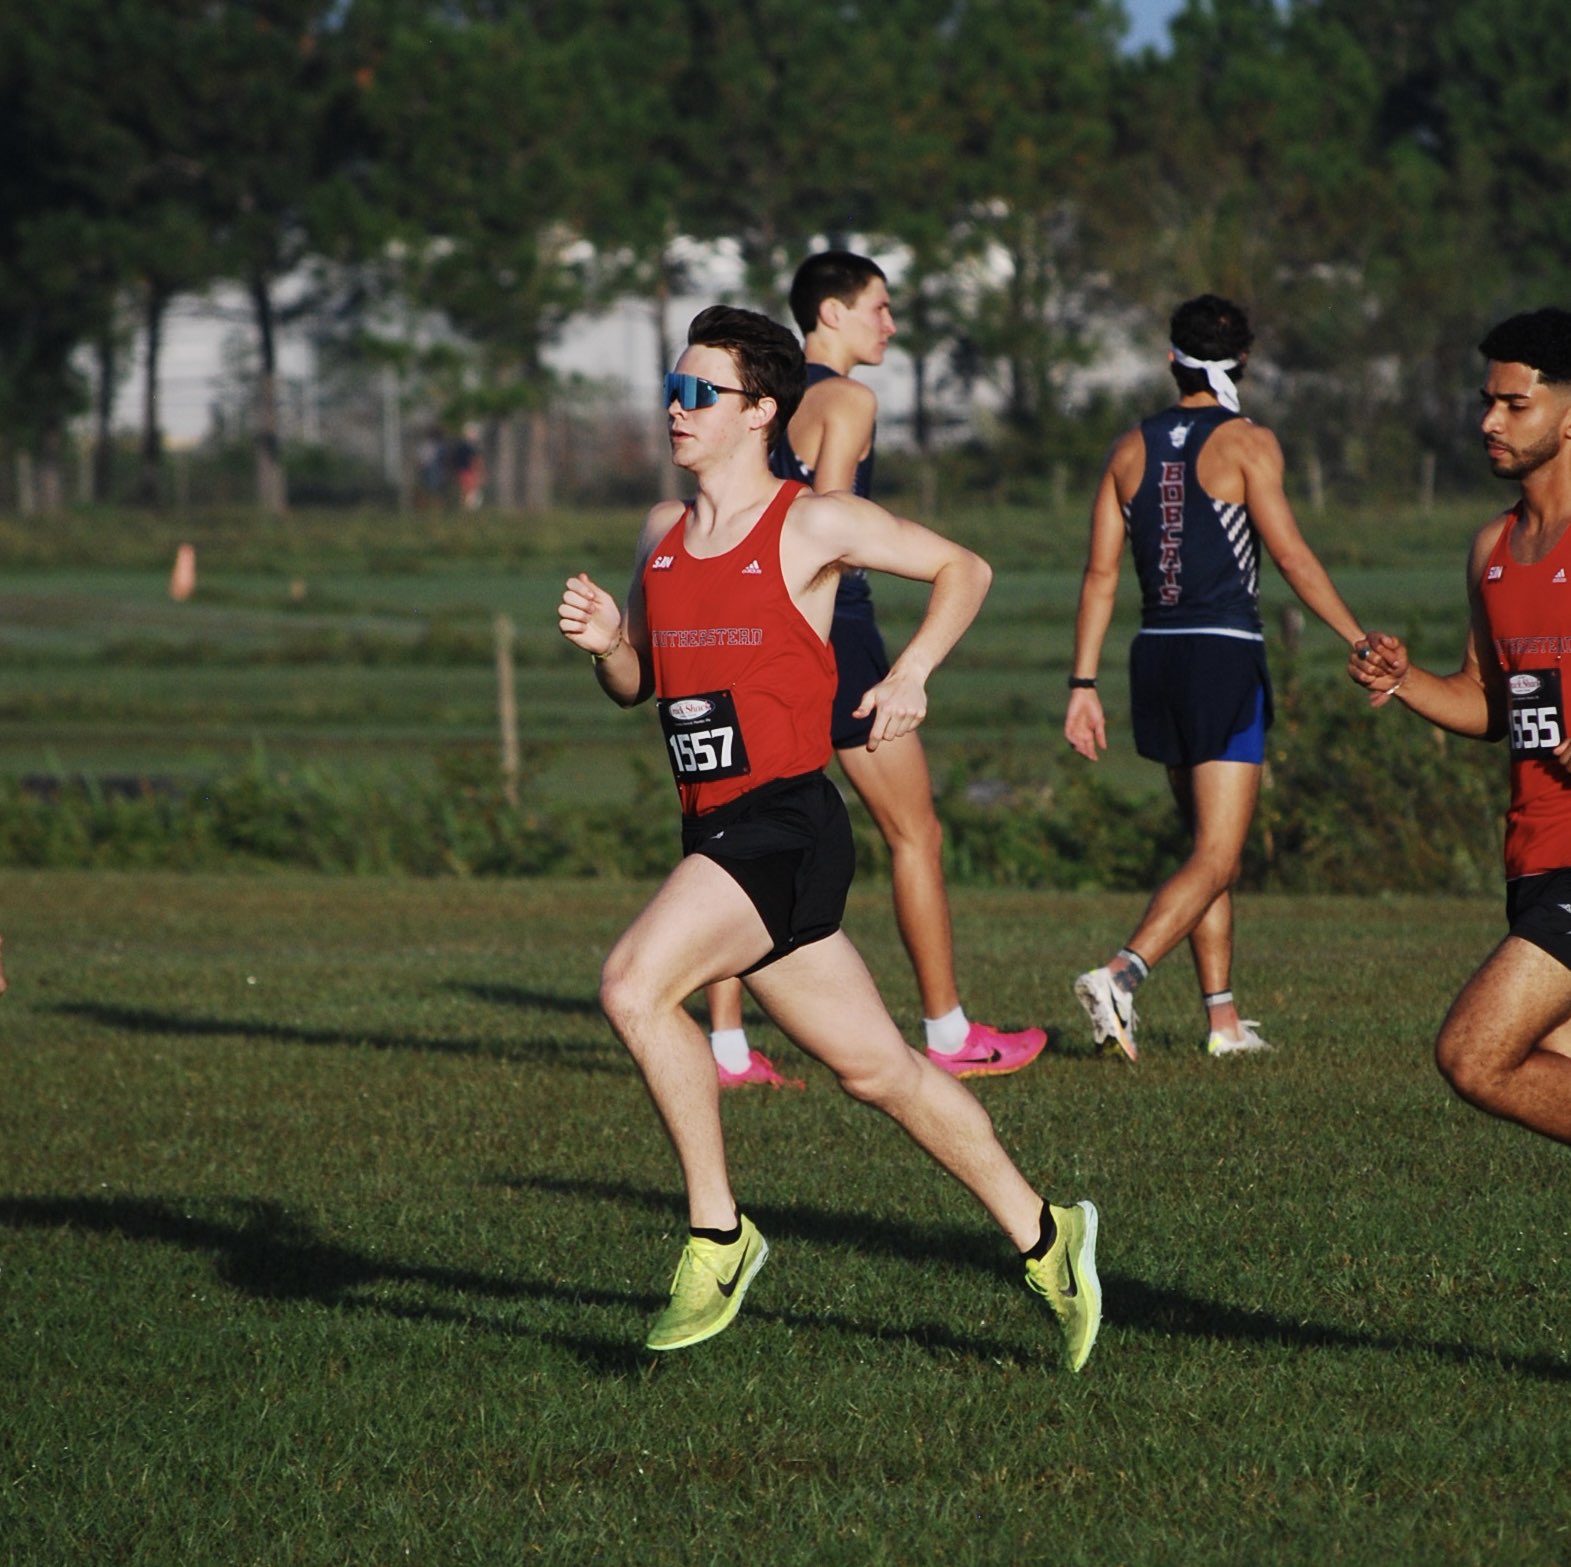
(860, 663)
(787, 844)
(1190, 694)
(1538, 909)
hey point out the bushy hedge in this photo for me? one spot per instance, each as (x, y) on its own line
(1353, 801)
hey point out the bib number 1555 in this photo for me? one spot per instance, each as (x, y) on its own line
(1537, 727)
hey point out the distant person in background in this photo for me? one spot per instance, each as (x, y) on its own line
(431, 461)
(1504, 1044)
(468, 467)
(1196, 490)
(841, 304)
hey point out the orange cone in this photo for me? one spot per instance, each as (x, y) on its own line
(182, 580)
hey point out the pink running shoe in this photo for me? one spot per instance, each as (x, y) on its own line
(988, 1052)
(760, 1069)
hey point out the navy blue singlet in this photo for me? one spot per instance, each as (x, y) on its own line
(784, 463)
(1197, 558)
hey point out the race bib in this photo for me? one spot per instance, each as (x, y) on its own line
(703, 738)
(1537, 718)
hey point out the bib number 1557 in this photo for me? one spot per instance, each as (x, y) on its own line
(702, 736)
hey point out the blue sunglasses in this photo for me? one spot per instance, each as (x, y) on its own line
(693, 391)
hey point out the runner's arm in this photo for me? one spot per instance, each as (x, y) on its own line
(844, 530)
(1085, 724)
(1263, 469)
(1470, 702)
(618, 643)
(847, 413)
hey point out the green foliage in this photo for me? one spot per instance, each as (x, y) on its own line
(1353, 801)
(1361, 799)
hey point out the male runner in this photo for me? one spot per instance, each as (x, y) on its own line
(841, 304)
(1504, 1043)
(727, 624)
(1197, 489)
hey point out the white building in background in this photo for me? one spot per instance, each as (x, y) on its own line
(207, 340)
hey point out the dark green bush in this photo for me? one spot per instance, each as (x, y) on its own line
(1353, 801)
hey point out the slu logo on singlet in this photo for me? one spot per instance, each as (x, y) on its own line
(662, 563)
(1495, 573)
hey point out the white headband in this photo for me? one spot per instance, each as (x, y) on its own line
(1216, 375)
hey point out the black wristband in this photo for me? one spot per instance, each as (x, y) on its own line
(1082, 683)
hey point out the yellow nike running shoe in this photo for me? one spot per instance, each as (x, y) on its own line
(1067, 1277)
(707, 1289)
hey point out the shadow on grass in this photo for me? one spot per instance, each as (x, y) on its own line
(550, 1052)
(1130, 1303)
(270, 1255)
(531, 1000)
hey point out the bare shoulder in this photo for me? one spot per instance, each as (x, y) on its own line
(1486, 538)
(843, 392)
(660, 519)
(839, 401)
(823, 514)
(1248, 441)
(1126, 461)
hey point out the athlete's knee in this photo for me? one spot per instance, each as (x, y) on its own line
(916, 832)
(1474, 1074)
(1219, 868)
(627, 992)
(883, 1081)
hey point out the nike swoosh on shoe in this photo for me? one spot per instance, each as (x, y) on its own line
(728, 1289)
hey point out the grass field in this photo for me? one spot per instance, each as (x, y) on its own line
(331, 1217)
(364, 643)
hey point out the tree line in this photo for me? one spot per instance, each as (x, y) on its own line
(441, 184)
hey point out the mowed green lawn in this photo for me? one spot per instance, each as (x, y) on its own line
(364, 644)
(331, 1216)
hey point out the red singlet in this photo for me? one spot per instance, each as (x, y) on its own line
(744, 684)
(1529, 613)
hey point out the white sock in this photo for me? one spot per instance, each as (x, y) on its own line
(730, 1048)
(947, 1034)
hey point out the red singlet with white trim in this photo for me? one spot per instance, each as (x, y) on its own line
(744, 683)
(1529, 613)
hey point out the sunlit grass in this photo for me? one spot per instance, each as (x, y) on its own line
(331, 1216)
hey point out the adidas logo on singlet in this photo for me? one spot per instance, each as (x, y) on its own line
(1559, 576)
(752, 569)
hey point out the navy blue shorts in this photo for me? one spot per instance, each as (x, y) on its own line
(1536, 910)
(788, 845)
(1199, 698)
(860, 663)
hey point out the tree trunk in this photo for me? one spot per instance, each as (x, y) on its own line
(102, 481)
(505, 490)
(670, 480)
(51, 472)
(26, 494)
(538, 489)
(271, 490)
(150, 481)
